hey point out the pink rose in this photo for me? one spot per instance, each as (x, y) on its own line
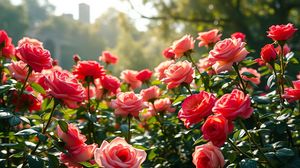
(127, 103)
(108, 58)
(239, 35)
(281, 32)
(161, 105)
(64, 86)
(168, 53)
(255, 80)
(34, 55)
(85, 69)
(144, 75)
(150, 93)
(176, 74)
(118, 153)
(80, 153)
(216, 128)
(179, 47)
(226, 52)
(160, 69)
(209, 37)
(19, 71)
(208, 156)
(129, 77)
(72, 137)
(205, 65)
(286, 49)
(233, 105)
(196, 107)
(110, 83)
(27, 40)
(292, 94)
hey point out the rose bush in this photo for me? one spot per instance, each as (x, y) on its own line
(214, 109)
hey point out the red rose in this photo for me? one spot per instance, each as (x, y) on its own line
(268, 53)
(179, 47)
(7, 49)
(281, 32)
(85, 69)
(208, 156)
(176, 74)
(209, 37)
(233, 105)
(150, 93)
(110, 83)
(144, 75)
(216, 128)
(129, 77)
(292, 94)
(168, 53)
(196, 107)
(239, 35)
(227, 52)
(127, 103)
(35, 56)
(63, 85)
(108, 58)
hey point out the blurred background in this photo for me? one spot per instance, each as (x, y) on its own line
(138, 30)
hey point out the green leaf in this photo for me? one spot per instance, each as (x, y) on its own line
(63, 126)
(87, 164)
(26, 132)
(199, 140)
(284, 154)
(13, 121)
(178, 100)
(24, 119)
(152, 154)
(4, 88)
(34, 161)
(247, 163)
(38, 88)
(248, 75)
(4, 115)
(53, 161)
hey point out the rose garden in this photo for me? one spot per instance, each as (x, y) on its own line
(230, 108)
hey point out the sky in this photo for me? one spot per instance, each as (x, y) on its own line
(98, 7)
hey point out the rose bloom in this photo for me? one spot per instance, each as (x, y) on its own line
(178, 73)
(76, 58)
(108, 58)
(196, 107)
(168, 53)
(85, 69)
(78, 154)
(205, 65)
(160, 69)
(7, 49)
(268, 53)
(161, 105)
(27, 40)
(281, 32)
(144, 75)
(64, 86)
(129, 77)
(110, 83)
(179, 47)
(260, 61)
(286, 49)
(72, 137)
(150, 93)
(216, 128)
(239, 35)
(227, 52)
(19, 71)
(27, 101)
(127, 103)
(208, 156)
(233, 105)
(255, 80)
(209, 37)
(298, 76)
(118, 153)
(34, 55)
(292, 94)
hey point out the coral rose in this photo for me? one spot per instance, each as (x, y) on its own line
(179, 73)
(168, 53)
(160, 69)
(78, 154)
(27, 40)
(268, 53)
(205, 65)
(183, 45)
(108, 58)
(110, 83)
(129, 77)
(127, 103)
(216, 128)
(144, 75)
(84, 69)
(208, 156)
(208, 38)
(196, 107)
(64, 86)
(292, 94)
(118, 153)
(227, 52)
(34, 55)
(281, 32)
(255, 79)
(72, 137)
(19, 71)
(150, 93)
(238, 35)
(233, 105)
(161, 105)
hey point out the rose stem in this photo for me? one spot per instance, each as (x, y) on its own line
(236, 68)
